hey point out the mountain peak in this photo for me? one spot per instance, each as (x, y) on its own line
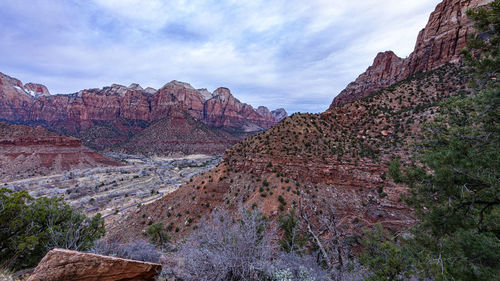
(206, 94)
(440, 42)
(135, 87)
(175, 83)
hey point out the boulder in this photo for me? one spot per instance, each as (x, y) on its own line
(62, 265)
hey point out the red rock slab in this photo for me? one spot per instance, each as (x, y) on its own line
(63, 265)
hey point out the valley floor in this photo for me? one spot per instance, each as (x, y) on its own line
(111, 190)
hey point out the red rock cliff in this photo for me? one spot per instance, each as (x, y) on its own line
(113, 114)
(440, 42)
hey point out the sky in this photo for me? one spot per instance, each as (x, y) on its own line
(295, 54)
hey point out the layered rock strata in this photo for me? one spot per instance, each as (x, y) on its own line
(440, 42)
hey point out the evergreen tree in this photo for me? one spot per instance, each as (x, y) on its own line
(30, 227)
(455, 189)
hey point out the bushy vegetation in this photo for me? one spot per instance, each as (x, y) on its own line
(30, 227)
(139, 250)
(455, 189)
(243, 249)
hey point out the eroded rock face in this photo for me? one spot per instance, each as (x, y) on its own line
(37, 89)
(224, 110)
(387, 68)
(63, 265)
(27, 151)
(111, 115)
(440, 42)
(279, 114)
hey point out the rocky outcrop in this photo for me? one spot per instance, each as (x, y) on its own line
(63, 265)
(206, 94)
(179, 132)
(27, 151)
(177, 93)
(264, 112)
(111, 115)
(223, 110)
(440, 42)
(279, 114)
(37, 89)
(15, 102)
(385, 71)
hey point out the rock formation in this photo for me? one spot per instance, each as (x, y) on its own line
(223, 110)
(279, 114)
(440, 42)
(37, 89)
(63, 265)
(336, 159)
(27, 151)
(111, 115)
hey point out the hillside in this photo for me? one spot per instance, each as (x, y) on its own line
(29, 152)
(338, 158)
(178, 132)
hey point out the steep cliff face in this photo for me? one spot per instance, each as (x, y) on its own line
(279, 114)
(440, 42)
(111, 115)
(27, 151)
(37, 89)
(14, 100)
(223, 110)
(177, 93)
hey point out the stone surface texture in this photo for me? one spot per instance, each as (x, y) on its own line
(64, 265)
(440, 42)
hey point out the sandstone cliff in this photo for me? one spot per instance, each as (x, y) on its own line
(111, 115)
(440, 42)
(27, 151)
(339, 158)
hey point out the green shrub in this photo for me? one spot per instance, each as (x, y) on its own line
(30, 227)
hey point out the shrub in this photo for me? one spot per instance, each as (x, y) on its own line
(30, 227)
(139, 250)
(158, 234)
(223, 249)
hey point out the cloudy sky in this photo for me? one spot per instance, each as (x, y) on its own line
(292, 54)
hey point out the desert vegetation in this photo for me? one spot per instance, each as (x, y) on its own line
(110, 190)
(455, 187)
(30, 227)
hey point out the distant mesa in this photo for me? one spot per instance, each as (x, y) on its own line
(107, 118)
(27, 151)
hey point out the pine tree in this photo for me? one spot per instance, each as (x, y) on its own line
(455, 189)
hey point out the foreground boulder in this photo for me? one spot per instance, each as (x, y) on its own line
(61, 264)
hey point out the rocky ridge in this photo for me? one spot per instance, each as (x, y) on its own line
(111, 115)
(27, 151)
(440, 42)
(338, 158)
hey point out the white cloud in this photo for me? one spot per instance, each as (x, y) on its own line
(287, 53)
